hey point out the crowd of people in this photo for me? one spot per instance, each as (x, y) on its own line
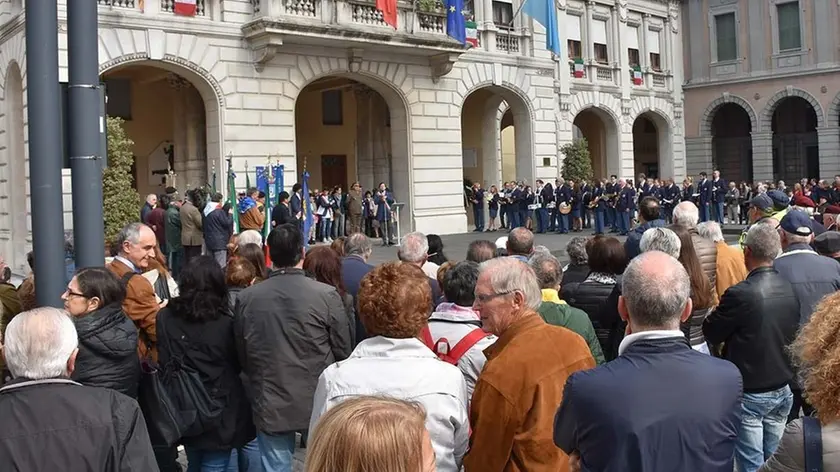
(669, 350)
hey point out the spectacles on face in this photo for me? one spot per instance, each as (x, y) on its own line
(484, 298)
(71, 293)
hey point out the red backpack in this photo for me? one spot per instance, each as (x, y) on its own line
(452, 354)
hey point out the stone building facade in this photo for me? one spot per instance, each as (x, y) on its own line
(326, 85)
(762, 86)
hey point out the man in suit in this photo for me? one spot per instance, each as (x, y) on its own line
(679, 409)
(354, 266)
(563, 195)
(670, 197)
(136, 247)
(296, 203)
(546, 196)
(705, 189)
(719, 188)
(626, 206)
(610, 191)
(478, 202)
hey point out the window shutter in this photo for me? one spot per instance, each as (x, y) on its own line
(653, 41)
(599, 32)
(573, 27)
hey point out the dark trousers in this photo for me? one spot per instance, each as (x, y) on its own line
(799, 402)
(624, 222)
(611, 218)
(561, 224)
(175, 262)
(191, 252)
(587, 217)
(720, 212)
(503, 213)
(599, 222)
(478, 216)
(522, 218)
(542, 220)
(704, 212)
(669, 213)
(512, 217)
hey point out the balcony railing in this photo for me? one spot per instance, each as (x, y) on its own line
(305, 8)
(658, 80)
(117, 3)
(166, 6)
(508, 41)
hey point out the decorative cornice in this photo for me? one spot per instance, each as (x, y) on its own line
(441, 65)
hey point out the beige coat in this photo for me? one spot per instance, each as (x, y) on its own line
(191, 225)
(790, 455)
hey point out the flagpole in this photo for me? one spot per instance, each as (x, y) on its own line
(518, 12)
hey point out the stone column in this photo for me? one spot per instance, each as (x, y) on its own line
(381, 143)
(364, 148)
(179, 131)
(698, 155)
(762, 156)
(196, 157)
(829, 142)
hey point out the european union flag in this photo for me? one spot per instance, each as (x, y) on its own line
(545, 13)
(455, 24)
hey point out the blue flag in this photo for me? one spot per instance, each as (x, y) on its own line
(307, 209)
(545, 13)
(455, 23)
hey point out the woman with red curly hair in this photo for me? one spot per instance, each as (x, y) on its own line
(394, 302)
(816, 351)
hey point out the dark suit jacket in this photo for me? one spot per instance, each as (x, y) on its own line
(280, 215)
(353, 268)
(678, 409)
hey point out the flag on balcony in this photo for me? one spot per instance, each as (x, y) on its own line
(579, 71)
(544, 13)
(472, 34)
(185, 7)
(456, 25)
(637, 75)
(389, 11)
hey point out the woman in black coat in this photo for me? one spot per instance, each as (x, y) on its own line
(107, 337)
(197, 328)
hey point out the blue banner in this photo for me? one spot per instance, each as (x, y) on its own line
(307, 208)
(277, 188)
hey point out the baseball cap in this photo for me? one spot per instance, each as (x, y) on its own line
(827, 243)
(797, 222)
(501, 243)
(780, 200)
(762, 202)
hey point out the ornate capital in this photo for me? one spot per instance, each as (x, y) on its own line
(263, 54)
(441, 65)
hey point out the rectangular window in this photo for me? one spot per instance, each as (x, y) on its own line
(332, 111)
(653, 50)
(599, 39)
(633, 46)
(503, 14)
(790, 36)
(727, 37)
(118, 104)
(573, 35)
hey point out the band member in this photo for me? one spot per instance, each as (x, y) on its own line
(626, 207)
(504, 206)
(705, 196)
(610, 193)
(688, 191)
(671, 195)
(586, 199)
(545, 195)
(493, 207)
(600, 206)
(562, 198)
(719, 188)
(514, 200)
(477, 200)
(384, 199)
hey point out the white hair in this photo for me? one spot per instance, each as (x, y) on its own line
(508, 275)
(686, 215)
(710, 230)
(662, 240)
(414, 247)
(250, 236)
(39, 343)
(656, 288)
(764, 242)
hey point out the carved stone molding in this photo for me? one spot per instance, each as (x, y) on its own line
(354, 59)
(265, 53)
(441, 65)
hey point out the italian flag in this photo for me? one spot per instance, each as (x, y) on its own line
(637, 75)
(185, 7)
(579, 72)
(472, 33)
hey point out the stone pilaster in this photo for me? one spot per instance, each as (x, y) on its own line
(381, 142)
(829, 142)
(196, 155)
(698, 155)
(364, 148)
(762, 156)
(179, 136)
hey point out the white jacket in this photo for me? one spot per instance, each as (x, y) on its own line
(405, 369)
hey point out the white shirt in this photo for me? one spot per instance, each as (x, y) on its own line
(405, 369)
(653, 334)
(430, 269)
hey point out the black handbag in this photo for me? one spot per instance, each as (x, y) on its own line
(163, 417)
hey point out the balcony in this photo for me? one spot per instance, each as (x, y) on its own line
(164, 6)
(354, 24)
(594, 73)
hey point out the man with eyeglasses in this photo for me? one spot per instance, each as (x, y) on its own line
(522, 382)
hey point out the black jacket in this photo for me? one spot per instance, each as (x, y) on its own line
(61, 425)
(280, 215)
(209, 348)
(289, 328)
(218, 227)
(592, 297)
(107, 350)
(757, 319)
(575, 274)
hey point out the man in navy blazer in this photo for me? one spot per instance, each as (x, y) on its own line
(354, 267)
(705, 189)
(660, 405)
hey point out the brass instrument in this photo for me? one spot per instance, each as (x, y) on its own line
(564, 208)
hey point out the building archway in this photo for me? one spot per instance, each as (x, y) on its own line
(732, 142)
(795, 142)
(601, 132)
(508, 144)
(349, 127)
(650, 144)
(173, 116)
(15, 229)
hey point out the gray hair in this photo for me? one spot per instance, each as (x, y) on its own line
(542, 249)
(710, 230)
(662, 240)
(686, 215)
(414, 247)
(508, 275)
(250, 236)
(358, 244)
(576, 249)
(547, 269)
(791, 238)
(655, 288)
(764, 242)
(130, 233)
(39, 343)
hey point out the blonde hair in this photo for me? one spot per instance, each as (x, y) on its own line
(816, 352)
(366, 434)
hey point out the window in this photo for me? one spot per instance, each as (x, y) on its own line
(118, 102)
(790, 37)
(726, 35)
(653, 50)
(599, 39)
(332, 111)
(503, 14)
(633, 47)
(573, 35)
